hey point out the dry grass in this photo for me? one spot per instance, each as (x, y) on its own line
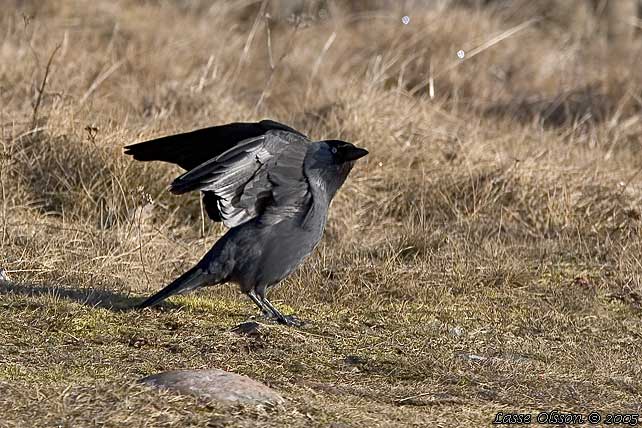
(499, 218)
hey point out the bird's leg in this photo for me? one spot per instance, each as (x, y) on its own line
(280, 318)
(264, 308)
(277, 314)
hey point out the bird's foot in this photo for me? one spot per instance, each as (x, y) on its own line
(278, 316)
(290, 320)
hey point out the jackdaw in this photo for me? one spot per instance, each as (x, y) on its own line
(269, 184)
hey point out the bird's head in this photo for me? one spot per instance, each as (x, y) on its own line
(342, 151)
(331, 161)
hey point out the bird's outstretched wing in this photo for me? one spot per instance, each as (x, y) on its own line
(191, 149)
(261, 172)
(228, 163)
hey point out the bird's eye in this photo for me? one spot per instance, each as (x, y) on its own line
(334, 150)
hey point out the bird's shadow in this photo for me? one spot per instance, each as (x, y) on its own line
(91, 297)
(100, 298)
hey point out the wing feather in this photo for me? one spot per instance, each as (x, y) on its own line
(190, 149)
(257, 174)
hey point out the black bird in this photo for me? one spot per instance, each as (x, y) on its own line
(270, 184)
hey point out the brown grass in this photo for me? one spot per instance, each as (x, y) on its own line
(499, 218)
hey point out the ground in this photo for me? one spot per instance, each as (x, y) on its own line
(484, 258)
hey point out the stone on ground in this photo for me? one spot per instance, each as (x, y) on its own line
(216, 385)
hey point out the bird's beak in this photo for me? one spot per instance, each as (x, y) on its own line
(354, 153)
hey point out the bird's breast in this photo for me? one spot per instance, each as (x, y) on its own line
(268, 255)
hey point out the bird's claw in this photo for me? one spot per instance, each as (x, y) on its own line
(290, 320)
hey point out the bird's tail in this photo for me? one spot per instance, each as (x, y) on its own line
(193, 278)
